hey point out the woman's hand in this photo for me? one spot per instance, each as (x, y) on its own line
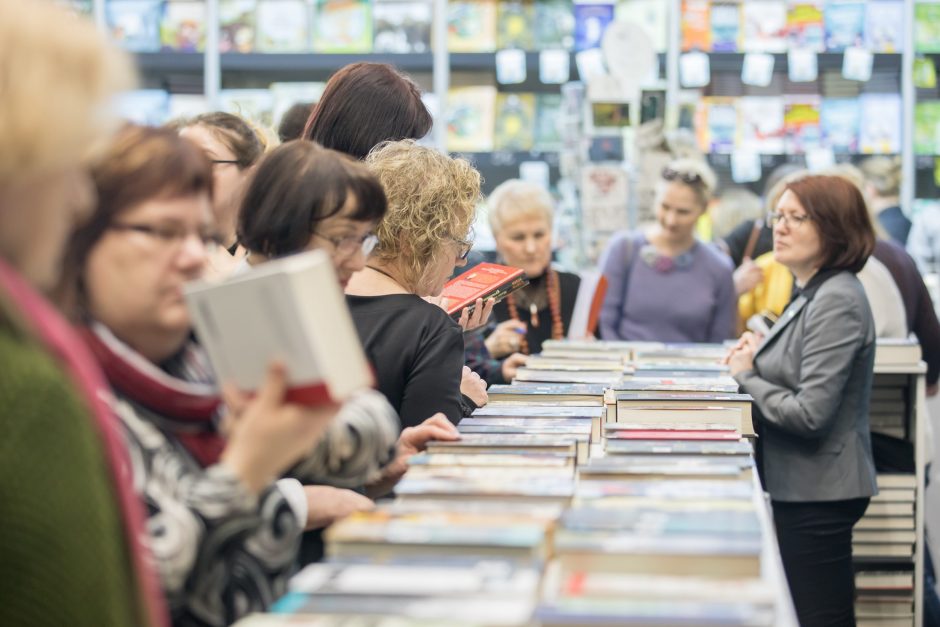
(741, 357)
(505, 338)
(326, 505)
(412, 440)
(747, 276)
(266, 435)
(511, 365)
(473, 387)
(479, 317)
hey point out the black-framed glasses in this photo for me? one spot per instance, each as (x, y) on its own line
(351, 243)
(218, 161)
(689, 178)
(169, 235)
(793, 221)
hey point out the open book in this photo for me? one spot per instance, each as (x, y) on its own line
(291, 310)
(587, 305)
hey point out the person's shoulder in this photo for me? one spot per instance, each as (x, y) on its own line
(568, 279)
(715, 259)
(842, 287)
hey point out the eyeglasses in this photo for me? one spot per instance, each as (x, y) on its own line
(171, 236)
(351, 243)
(218, 161)
(465, 247)
(791, 220)
(689, 178)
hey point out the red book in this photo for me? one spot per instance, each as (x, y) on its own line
(672, 434)
(484, 280)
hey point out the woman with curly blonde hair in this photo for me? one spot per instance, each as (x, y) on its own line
(416, 348)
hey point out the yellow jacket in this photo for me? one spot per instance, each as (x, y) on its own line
(771, 294)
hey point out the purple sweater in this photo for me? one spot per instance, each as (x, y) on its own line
(695, 303)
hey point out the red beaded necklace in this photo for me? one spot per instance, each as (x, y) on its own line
(554, 305)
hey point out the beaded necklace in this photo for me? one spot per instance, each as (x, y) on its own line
(554, 305)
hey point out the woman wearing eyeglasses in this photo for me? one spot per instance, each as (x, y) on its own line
(811, 382)
(663, 284)
(416, 348)
(223, 534)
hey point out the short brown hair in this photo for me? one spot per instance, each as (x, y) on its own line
(140, 164)
(234, 132)
(365, 104)
(837, 209)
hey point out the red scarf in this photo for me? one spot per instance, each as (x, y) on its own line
(187, 409)
(60, 340)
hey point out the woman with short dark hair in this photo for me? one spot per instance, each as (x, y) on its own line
(811, 382)
(365, 104)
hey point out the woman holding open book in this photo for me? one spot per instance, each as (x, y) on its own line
(811, 379)
(663, 284)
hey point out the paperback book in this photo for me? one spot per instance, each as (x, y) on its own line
(343, 26)
(402, 26)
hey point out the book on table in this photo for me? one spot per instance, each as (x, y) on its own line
(484, 280)
(291, 310)
(630, 404)
(587, 305)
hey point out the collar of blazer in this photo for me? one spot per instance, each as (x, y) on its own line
(797, 305)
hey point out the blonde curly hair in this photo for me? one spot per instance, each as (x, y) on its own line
(432, 201)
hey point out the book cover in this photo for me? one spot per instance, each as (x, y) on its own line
(283, 26)
(761, 124)
(845, 23)
(587, 305)
(515, 122)
(927, 127)
(343, 26)
(927, 26)
(696, 28)
(839, 119)
(764, 25)
(402, 27)
(515, 20)
(652, 105)
(805, 26)
(884, 26)
(553, 25)
(471, 114)
(183, 27)
(471, 26)
(652, 15)
(680, 447)
(134, 25)
(547, 123)
(717, 124)
(590, 22)
(725, 26)
(237, 25)
(610, 114)
(880, 124)
(801, 124)
(297, 314)
(484, 280)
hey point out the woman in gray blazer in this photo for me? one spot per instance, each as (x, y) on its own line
(811, 381)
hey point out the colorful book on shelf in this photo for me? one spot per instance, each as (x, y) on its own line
(590, 22)
(515, 122)
(801, 123)
(651, 15)
(839, 120)
(484, 280)
(471, 114)
(553, 25)
(134, 25)
(514, 24)
(927, 127)
(401, 26)
(927, 26)
(884, 26)
(297, 314)
(471, 26)
(845, 24)
(547, 123)
(342, 26)
(696, 26)
(805, 26)
(183, 27)
(237, 25)
(717, 124)
(725, 26)
(283, 26)
(880, 124)
(764, 25)
(761, 128)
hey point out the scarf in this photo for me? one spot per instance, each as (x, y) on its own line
(55, 334)
(180, 394)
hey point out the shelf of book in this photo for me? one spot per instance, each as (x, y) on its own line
(826, 61)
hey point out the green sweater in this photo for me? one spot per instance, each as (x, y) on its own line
(63, 555)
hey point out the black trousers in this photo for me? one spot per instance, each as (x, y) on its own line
(816, 546)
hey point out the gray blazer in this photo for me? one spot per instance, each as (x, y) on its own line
(811, 384)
